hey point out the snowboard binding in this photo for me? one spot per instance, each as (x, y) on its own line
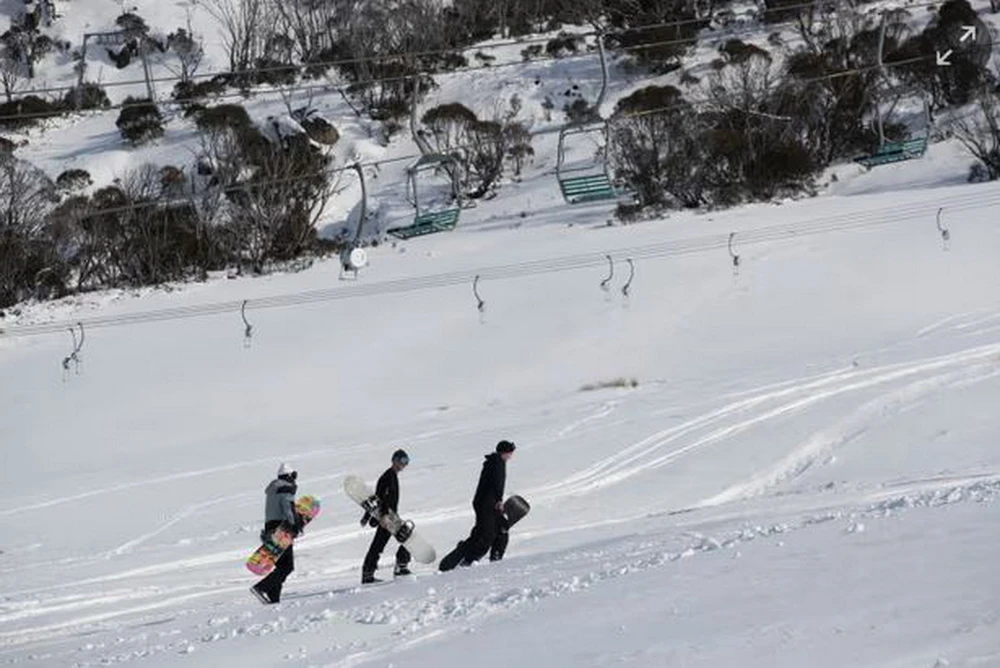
(404, 532)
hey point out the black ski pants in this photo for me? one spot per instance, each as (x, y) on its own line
(379, 542)
(489, 535)
(271, 585)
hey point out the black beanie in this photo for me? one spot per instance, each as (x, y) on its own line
(400, 455)
(505, 446)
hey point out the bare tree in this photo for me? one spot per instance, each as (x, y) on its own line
(388, 48)
(245, 25)
(12, 72)
(313, 25)
(756, 149)
(273, 191)
(190, 52)
(146, 235)
(656, 147)
(276, 210)
(979, 133)
(27, 45)
(26, 196)
(519, 149)
(450, 126)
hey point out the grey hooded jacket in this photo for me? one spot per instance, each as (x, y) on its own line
(280, 501)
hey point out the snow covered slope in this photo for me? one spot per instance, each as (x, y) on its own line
(805, 473)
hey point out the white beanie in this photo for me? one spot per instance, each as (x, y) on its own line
(285, 469)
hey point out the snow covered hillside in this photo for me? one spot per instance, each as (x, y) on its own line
(804, 474)
(786, 460)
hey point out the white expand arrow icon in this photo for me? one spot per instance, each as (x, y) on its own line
(967, 32)
(942, 58)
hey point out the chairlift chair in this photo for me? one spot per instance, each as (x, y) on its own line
(889, 152)
(895, 151)
(592, 186)
(430, 221)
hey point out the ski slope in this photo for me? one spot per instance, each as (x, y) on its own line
(804, 474)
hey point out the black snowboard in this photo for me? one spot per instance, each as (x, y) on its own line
(514, 508)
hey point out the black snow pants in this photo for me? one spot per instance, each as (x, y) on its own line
(272, 583)
(379, 542)
(489, 535)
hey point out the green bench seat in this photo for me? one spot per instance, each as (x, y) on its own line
(428, 223)
(896, 151)
(590, 188)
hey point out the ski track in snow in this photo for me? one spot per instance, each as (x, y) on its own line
(432, 613)
(605, 410)
(645, 454)
(419, 620)
(971, 365)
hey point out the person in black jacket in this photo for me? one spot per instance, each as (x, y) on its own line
(489, 534)
(387, 491)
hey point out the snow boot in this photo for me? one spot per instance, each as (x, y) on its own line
(261, 596)
(402, 570)
(369, 578)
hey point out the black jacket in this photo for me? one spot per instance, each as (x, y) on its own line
(491, 482)
(387, 491)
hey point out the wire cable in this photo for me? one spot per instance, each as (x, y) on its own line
(668, 249)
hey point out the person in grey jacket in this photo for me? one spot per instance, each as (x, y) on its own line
(279, 506)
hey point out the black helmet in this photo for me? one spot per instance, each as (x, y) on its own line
(505, 446)
(401, 457)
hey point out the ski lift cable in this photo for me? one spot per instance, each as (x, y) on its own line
(675, 248)
(437, 52)
(307, 87)
(410, 157)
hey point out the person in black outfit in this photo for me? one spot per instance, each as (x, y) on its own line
(490, 532)
(279, 506)
(387, 491)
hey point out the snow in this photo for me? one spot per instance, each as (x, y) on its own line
(805, 472)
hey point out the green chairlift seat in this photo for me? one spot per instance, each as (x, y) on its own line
(593, 187)
(429, 222)
(590, 187)
(889, 152)
(895, 151)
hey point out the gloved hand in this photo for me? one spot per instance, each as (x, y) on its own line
(365, 518)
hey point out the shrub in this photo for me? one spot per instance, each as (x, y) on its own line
(532, 51)
(579, 111)
(87, 96)
(622, 383)
(188, 91)
(737, 51)
(563, 45)
(139, 121)
(320, 130)
(73, 179)
(223, 116)
(27, 110)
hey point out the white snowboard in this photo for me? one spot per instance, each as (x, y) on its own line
(364, 496)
